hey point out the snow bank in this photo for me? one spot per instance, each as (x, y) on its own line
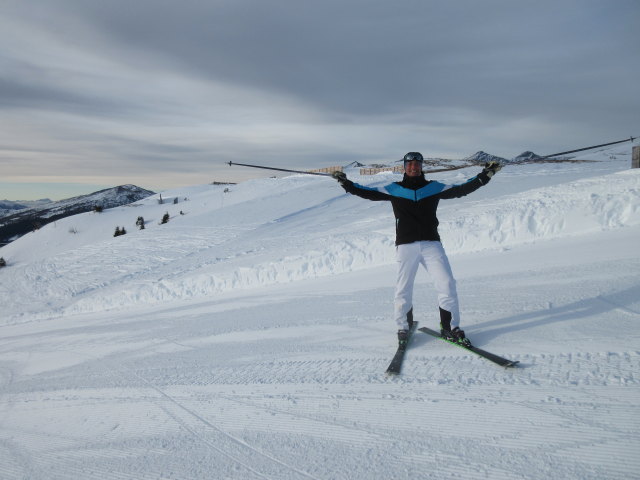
(575, 208)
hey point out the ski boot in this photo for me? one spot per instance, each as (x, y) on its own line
(403, 339)
(456, 336)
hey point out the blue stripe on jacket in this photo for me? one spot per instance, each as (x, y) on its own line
(398, 191)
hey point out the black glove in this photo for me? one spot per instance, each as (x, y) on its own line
(341, 177)
(491, 168)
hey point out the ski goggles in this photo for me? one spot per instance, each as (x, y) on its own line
(413, 157)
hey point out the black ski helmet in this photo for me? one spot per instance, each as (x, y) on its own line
(413, 157)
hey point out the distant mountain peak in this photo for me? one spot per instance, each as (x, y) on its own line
(484, 157)
(10, 205)
(526, 156)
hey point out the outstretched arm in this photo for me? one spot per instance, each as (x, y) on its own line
(359, 190)
(471, 185)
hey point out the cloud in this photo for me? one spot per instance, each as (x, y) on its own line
(149, 85)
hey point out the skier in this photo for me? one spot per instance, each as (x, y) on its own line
(415, 201)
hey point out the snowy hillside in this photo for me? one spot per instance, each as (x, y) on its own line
(247, 337)
(21, 221)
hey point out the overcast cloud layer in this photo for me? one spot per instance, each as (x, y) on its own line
(162, 93)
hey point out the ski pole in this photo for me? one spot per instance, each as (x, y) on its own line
(589, 148)
(280, 169)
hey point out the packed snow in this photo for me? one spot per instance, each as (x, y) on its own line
(247, 338)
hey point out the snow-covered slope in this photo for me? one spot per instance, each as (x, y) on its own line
(246, 338)
(24, 220)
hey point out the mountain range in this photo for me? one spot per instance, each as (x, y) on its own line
(19, 221)
(484, 157)
(9, 206)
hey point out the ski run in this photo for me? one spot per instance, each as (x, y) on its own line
(248, 337)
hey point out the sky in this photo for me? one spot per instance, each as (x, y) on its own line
(162, 93)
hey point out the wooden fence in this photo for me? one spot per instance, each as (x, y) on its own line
(327, 170)
(374, 170)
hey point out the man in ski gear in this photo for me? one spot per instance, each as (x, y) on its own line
(415, 201)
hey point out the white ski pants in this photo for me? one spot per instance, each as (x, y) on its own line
(432, 257)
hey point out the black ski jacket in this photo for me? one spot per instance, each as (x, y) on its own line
(415, 201)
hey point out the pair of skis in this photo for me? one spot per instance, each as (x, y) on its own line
(396, 363)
